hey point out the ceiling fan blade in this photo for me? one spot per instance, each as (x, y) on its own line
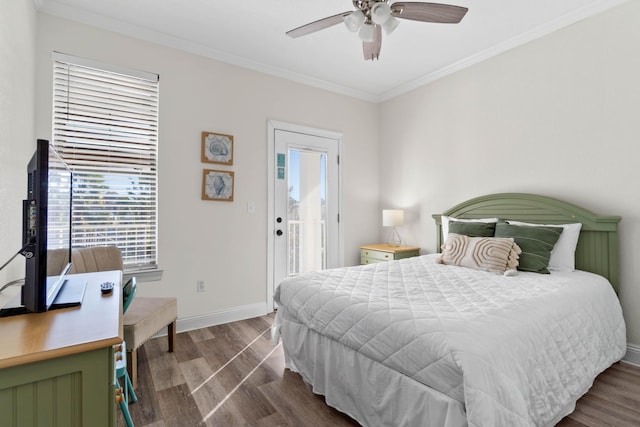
(318, 25)
(372, 49)
(428, 12)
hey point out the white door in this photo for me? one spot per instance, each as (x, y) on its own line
(304, 202)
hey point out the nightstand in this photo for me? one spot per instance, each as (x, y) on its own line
(383, 252)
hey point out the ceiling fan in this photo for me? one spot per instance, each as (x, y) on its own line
(372, 15)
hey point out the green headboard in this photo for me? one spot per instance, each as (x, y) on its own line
(597, 250)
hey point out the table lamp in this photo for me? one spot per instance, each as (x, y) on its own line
(393, 218)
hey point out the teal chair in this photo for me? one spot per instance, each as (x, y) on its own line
(124, 393)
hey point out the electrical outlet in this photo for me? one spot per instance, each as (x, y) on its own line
(200, 286)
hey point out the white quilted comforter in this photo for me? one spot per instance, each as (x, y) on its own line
(518, 351)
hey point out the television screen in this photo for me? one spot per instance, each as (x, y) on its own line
(46, 228)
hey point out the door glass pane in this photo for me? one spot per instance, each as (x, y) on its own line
(307, 211)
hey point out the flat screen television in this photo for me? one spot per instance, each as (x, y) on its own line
(46, 228)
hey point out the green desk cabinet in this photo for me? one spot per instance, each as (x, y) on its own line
(57, 368)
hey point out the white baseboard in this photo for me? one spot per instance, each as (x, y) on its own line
(217, 318)
(633, 354)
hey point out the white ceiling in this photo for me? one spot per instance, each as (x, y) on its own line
(251, 33)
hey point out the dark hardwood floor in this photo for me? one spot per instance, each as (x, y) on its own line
(231, 375)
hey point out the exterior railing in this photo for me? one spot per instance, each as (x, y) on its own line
(297, 245)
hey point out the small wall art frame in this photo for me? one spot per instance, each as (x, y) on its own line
(217, 148)
(217, 185)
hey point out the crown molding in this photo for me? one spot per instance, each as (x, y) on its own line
(146, 34)
(100, 21)
(536, 33)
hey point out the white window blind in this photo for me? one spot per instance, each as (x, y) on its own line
(105, 126)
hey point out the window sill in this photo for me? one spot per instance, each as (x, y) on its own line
(146, 275)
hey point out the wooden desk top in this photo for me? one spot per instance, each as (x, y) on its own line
(97, 323)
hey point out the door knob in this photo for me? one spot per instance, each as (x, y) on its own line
(279, 232)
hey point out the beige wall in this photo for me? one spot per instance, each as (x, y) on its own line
(218, 242)
(17, 87)
(557, 116)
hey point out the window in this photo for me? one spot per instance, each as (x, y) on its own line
(105, 126)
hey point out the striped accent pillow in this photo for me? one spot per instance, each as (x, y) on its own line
(480, 253)
(536, 244)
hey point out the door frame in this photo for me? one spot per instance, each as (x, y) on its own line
(272, 126)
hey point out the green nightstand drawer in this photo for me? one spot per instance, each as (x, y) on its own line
(370, 254)
(367, 260)
(376, 255)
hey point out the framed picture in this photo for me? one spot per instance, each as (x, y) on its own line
(217, 148)
(217, 185)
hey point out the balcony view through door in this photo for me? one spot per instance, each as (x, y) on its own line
(306, 211)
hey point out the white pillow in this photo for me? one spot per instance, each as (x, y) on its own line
(563, 255)
(446, 219)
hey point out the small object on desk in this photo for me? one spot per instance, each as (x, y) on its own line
(106, 287)
(384, 252)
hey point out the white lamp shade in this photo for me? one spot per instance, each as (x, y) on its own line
(380, 12)
(392, 217)
(391, 24)
(366, 32)
(354, 20)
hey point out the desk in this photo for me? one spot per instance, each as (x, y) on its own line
(57, 368)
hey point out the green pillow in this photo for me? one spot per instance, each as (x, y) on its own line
(472, 229)
(536, 244)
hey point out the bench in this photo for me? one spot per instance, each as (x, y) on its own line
(145, 317)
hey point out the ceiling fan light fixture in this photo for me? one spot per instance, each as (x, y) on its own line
(366, 32)
(354, 20)
(391, 24)
(380, 12)
(371, 16)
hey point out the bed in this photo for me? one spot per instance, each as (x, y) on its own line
(416, 342)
